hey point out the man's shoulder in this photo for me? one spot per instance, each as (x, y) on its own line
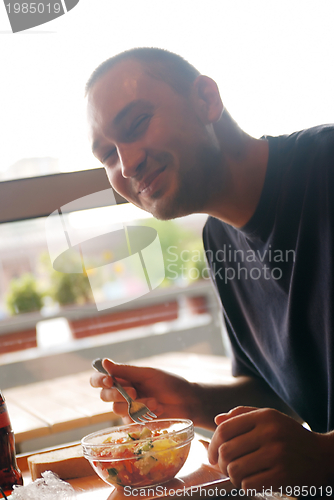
(318, 130)
(300, 152)
(320, 134)
(326, 128)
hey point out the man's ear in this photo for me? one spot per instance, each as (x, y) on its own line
(208, 102)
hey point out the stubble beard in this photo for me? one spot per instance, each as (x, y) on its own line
(196, 186)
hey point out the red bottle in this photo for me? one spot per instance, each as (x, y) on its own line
(9, 472)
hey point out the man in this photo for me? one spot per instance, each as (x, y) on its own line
(169, 146)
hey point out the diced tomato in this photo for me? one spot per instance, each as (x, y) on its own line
(128, 465)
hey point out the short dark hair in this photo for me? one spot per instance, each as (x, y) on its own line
(167, 66)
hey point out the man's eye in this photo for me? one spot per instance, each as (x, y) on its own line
(110, 153)
(139, 124)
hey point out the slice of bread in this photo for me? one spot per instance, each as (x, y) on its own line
(68, 463)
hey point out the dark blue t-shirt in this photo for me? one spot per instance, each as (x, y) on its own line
(275, 276)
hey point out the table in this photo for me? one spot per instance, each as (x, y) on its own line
(196, 476)
(66, 403)
(55, 406)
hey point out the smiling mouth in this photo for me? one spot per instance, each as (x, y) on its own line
(145, 185)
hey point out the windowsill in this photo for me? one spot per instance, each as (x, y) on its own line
(160, 328)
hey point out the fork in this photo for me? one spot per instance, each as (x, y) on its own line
(137, 411)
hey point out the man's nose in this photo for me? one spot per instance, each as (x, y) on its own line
(131, 158)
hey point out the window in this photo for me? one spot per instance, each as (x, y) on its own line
(50, 324)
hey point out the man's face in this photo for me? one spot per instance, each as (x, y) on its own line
(156, 151)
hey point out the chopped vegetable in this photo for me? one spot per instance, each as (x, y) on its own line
(112, 471)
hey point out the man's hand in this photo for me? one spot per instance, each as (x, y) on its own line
(263, 448)
(165, 394)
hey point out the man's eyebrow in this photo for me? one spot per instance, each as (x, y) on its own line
(128, 108)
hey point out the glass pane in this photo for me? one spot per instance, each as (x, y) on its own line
(46, 312)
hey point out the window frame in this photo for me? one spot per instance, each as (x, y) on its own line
(34, 197)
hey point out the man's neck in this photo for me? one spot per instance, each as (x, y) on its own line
(245, 165)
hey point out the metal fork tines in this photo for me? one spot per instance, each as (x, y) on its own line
(136, 410)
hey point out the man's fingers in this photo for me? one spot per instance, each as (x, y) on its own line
(239, 410)
(132, 374)
(235, 449)
(240, 424)
(121, 408)
(235, 423)
(248, 466)
(112, 394)
(137, 382)
(100, 380)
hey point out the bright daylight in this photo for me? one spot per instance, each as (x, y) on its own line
(189, 262)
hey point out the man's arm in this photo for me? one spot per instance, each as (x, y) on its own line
(257, 448)
(240, 391)
(170, 396)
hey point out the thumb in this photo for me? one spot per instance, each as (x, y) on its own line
(123, 371)
(136, 377)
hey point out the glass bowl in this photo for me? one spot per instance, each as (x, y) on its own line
(139, 455)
